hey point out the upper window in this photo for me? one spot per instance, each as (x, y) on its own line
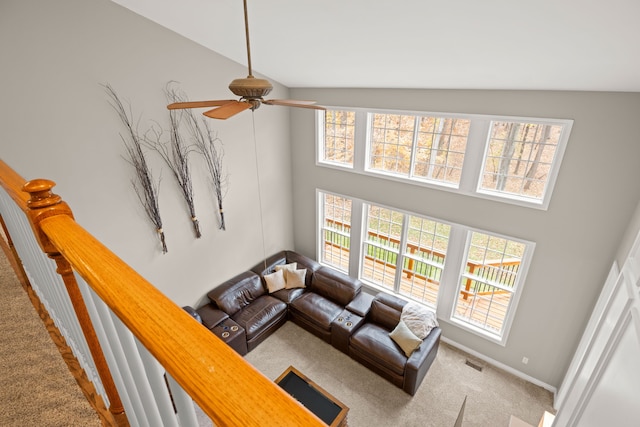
(497, 157)
(420, 147)
(519, 158)
(339, 137)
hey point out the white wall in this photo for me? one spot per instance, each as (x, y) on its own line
(603, 381)
(57, 124)
(595, 196)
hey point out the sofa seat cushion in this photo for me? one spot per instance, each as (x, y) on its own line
(374, 342)
(260, 314)
(288, 295)
(316, 309)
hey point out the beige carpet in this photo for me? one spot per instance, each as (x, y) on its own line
(36, 387)
(493, 395)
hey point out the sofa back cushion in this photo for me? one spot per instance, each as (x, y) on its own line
(237, 293)
(386, 310)
(268, 266)
(338, 287)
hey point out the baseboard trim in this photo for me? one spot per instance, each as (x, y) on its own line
(501, 366)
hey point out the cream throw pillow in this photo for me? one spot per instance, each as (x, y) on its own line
(419, 319)
(275, 281)
(406, 339)
(295, 278)
(291, 266)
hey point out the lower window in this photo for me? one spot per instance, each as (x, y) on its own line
(407, 254)
(404, 253)
(336, 231)
(489, 281)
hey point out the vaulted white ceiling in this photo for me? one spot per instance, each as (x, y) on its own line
(449, 44)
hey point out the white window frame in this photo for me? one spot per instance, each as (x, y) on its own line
(473, 165)
(320, 136)
(452, 270)
(321, 230)
(451, 297)
(401, 253)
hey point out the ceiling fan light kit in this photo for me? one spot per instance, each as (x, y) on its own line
(250, 90)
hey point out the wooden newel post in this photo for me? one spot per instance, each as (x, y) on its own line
(44, 204)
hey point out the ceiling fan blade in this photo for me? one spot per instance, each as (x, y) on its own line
(230, 109)
(294, 103)
(198, 104)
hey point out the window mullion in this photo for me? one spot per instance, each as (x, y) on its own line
(400, 257)
(361, 142)
(320, 135)
(453, 266)
(435, 146)
(414, 145)
(357, 242)
(474, 154)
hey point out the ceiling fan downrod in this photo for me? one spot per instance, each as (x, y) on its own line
(246, 33)
(250, 88)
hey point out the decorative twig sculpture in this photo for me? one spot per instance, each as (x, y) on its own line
(210, 147)
(176, 156)
(143, 184)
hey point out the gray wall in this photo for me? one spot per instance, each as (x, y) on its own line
(57, 124)
(577, 238)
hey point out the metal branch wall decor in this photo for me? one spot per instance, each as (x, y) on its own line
(144, 186)
(176, 155)
(210, 147)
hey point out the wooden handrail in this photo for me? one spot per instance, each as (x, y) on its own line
(12, 183)
(230, 390)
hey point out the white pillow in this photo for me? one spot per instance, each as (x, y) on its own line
(291, 266)
(295, 278)
(403, 336)
(275, 281)
(419, 319)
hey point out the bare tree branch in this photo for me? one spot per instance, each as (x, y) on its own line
(209, 145)
(143, 184)
(176, 154)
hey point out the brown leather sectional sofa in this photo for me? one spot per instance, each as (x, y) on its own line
(331, 305)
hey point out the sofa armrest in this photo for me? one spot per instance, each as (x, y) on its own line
(361, 304)
(192, 312)
(420, 361)
(211, 316)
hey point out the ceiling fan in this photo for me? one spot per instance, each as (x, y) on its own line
(250, 90)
